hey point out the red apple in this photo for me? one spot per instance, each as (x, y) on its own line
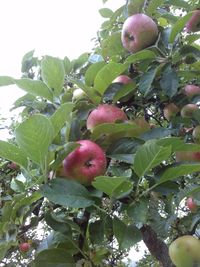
(191, 204)
(188, 110)
(196, 134)
(193, 24)
(122, 79)
(170, 110)
(85, 162)
(105, 114)
(138, 32)
(193, 156)
(191, 90)
(24, 247)
(13, 166)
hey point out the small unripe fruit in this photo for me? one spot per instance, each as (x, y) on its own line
(24, 247)
(105, 114)
(170, 110)
(191, 204)
(191, 90)
(122, 79)
(78, 94)
(188, 110)
(184, 251)
(193, 24)
(196, 134)
(138, 32)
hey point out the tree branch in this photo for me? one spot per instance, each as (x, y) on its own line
(157, 247)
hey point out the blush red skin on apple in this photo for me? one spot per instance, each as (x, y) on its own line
(24, 247)
(138, 32)
(191, 204)
(105, 114)
(193, 25)
(122, 79)
(191, 90)
(85, 162)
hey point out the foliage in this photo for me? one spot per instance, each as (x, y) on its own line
(65, 222)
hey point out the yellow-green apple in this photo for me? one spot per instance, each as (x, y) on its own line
(138, 32)
(191, 204)
(170, 110)
(184, 251)
(193, 156)
(188, 110)
(84, 163)
(193, 24)
(196, 134)
(78, 94)
(122, 79)
(105, 114)
(191, 90)
(24, 247)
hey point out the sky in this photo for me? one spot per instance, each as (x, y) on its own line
(51, 27)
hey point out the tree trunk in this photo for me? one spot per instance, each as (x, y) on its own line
(156, 246)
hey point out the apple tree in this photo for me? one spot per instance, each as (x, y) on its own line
(106, 150)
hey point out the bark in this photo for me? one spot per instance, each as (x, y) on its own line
(156, 247)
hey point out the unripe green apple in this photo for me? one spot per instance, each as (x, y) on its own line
(188, 110)
(105, 114)
(170, 110)
(78, 94)
(185, 251)
(191, 90)
(138, 32)
(191, 204)
(193, 24)
(196, 134)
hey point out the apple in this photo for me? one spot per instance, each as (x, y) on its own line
(138, 32)
(193, 156)
(78, 94)
(193, 24)
(13, 166)
(184, 251)
(24, 247)
(191, 204)
(188, 110)
(122, 79)
(170, 110)
(191, 90)
(105, 114)
(196, 134)
(84, 163)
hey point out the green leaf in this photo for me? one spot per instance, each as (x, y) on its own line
(152, 6)
(134, 6)
(169, 81)
(177, 171)
(113, 128)
(58, 224)
(147, 80)
(67, 193)
(26, 61)
(67, 65)
(140, 56)
(53, 74)
(178, 3)
(96, 232)
(178, 26)
(114, 187)
(13, 153)
(106, 12)
(139, 211)
(6, 80)
(112, 46)
(106, 75)
(124, 90)
(61, 116)
(148, 156)
(126, 235)
(36, 88)
(34, 136)
(92, 72)
(55, 257)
